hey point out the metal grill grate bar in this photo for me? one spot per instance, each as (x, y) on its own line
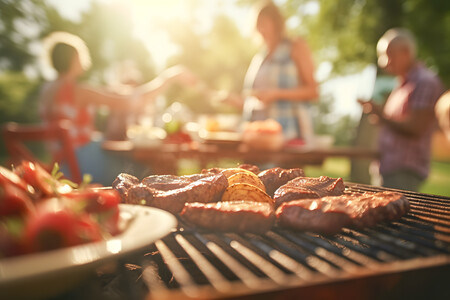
(282, 258)
(214, 276)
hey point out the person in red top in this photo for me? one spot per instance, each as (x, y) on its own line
(65, 98)
(407, 119)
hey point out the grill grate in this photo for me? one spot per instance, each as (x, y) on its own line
(196, 263)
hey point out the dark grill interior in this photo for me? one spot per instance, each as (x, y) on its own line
(406, 258)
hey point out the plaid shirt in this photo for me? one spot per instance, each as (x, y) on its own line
(277, 71)
(420, 90)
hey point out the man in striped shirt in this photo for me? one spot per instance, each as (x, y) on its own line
(407, 119)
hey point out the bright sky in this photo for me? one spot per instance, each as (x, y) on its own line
(146, 14)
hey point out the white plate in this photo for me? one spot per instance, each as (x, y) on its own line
(49, 273)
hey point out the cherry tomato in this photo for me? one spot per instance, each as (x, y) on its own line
(14, 200)
(37, 177)
(49, 230)
(10, 236)
(103, 205)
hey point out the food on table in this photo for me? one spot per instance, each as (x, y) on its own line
(308, 188)
(39, 211)
(206, 189)
(235, 216)
(330, 214)
(263, 135)
(275, 177)
(245, 192)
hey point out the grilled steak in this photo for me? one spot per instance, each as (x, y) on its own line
(251, 168)
(166, 182)
(248, 167)
(275, 177)
(123, 182)
(329, 214)
(207, 189)
(308, 188)
(235, 216)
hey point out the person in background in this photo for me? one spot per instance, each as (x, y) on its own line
(442, 110)
(279, 83)
(407, 119)
(65, 98)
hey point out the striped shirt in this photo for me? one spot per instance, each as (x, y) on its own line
(420, 90)
(278, 71)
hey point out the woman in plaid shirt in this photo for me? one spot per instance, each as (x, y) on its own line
(280, 81)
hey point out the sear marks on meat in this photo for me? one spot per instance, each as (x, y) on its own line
(251, 168)
(140, 194)
(207, 189)
(166, 182)
(231, 216)
(123, 182)
(308, 188)
(275, 177)
(330, 214)
(248, 167)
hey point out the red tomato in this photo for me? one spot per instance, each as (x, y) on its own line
(8, 176)
(37, 177)
(52, 230)
(10, 236)
(14, 200)
(103, 205)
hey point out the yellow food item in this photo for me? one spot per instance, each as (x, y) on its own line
(231, 171)
(245, 192)
(246, 177)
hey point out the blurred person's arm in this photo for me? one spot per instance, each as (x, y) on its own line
(176, 74)
(415, 123)
(442, 110)
(307, 89)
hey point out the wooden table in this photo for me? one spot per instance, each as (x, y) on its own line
(164, 158)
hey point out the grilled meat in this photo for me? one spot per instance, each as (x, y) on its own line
(207, 189)
(330, 214)
(251, 168)
(166, 182)
(123, 182)
(308, 188)
(234, 216)
(275, 177)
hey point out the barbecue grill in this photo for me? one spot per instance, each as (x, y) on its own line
(406, 258)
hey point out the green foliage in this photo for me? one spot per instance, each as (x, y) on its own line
(346, 32)
(17, 98)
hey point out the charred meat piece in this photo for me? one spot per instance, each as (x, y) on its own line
(166, 182)
(248, 167)
(330, 214)
(123, 182)
(207, 189)
(275, 177)
(251, 168)
(231, 216)
(308, 188)
(140, 194)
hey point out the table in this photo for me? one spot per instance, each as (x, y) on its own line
(164, 158)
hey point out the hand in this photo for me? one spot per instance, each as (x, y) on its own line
(265, 96)
(181, 75)
(374, 110)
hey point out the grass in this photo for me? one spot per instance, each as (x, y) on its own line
(438, 183)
